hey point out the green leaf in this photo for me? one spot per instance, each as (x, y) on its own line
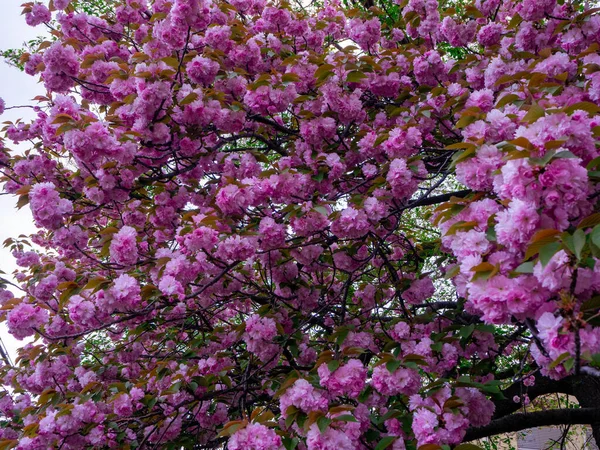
(579, 239)
(510, 98)
(465, 120)
(290, 443)
(465, 332)
(490, 234)
(548, 251)
(385, 442)
(355, 76)
(342, 334)
(324, 71)
(563, 357)
(290, 77)
(323, 422)
(429, 447)
(593, 163)
(590, 221)
(346, 418)
(540, 239)
(393, 365)
(526, 267)
(290, 419)
(596, 235)
(534, 113)
(23, 200)
(437, 347)
(333, 365)
(589, 107)
(467, 446)
(322, 210)
(591, 304)
(461, 156)
(565, 154)
(569, 363)
(190, 98)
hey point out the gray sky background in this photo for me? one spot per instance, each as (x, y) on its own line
(16, 88)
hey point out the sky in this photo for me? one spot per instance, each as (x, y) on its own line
(16, 88)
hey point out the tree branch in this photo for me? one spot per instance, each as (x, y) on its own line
(436, 199)
(523, 421)
(542, 386)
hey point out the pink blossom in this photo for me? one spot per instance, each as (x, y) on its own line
(348, 379)
(201, 238)
(61, 64)
(482, 99)
(556, 274)
(352, 223)
(331, 439)
(536, 9)
(269, 100)
(122, 405)
(303, 396)
(476, 173)
(366, 34)
(236, 248)
(554, 339)
(400, 178)
(424, 425)
(202, 70)
(259, 335)
(81, 311)
(318, 131)
(123, 247)
(47, 207)
(401, 381)
(402, 142)
(254, 436)
(126, 291)
(490, 34)
(23, 318)
(39, 14)
(419, 290)
(480, 409)
(170, 287)
(272, 234)
(556, 64)
(61, 4)
(517, 224)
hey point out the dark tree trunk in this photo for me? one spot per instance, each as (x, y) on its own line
(586, 390)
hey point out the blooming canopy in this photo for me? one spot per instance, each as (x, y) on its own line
(265, 225)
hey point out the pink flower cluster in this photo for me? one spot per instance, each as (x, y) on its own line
(259, 335)
(303, 396)
(254, 436)
(443, 418)
(123, 247)
(401, 381)
(48, 209)
(348, 379)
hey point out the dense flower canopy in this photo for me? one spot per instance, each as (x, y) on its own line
(268, 225)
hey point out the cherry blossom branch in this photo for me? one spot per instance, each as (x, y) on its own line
(524, 421)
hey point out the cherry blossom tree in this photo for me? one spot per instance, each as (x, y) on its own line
(268, 225)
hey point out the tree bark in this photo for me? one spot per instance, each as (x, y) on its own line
(523, 421)
(586, 390)
(542, 386)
